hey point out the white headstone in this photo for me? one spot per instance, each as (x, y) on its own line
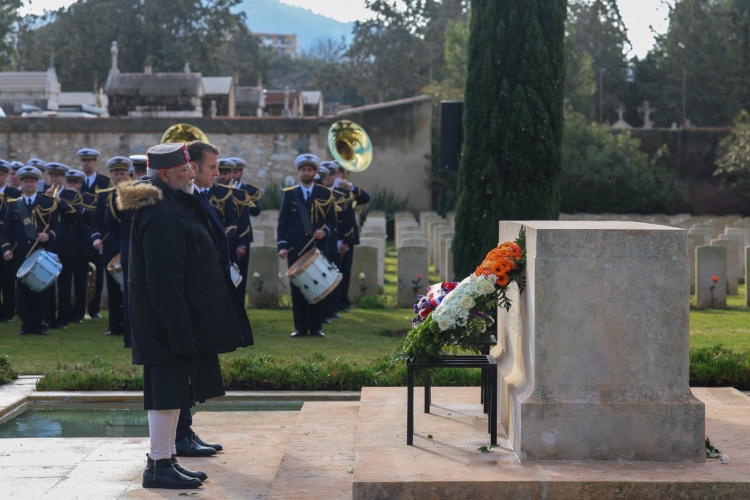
(412, 263)
(732, 275)
(710, 262)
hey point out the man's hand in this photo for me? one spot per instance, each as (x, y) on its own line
(241, 251)
(42, 237)
(8, 255)
(97, 244)
(344, 248)
(345, 184)
(282, 253)
(51, 191)
(319, 234)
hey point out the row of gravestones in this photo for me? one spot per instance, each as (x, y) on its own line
(723, 243)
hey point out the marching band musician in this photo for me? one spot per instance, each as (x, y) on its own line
(118, 167)
(222, 199)
(13, 179)
(56, 175)
(92, 182)
(246, 200)
(32, 222)
(74, 248)
(7, 278)
(39, 164)
(307, 215)
(333, 303)
(354, 196)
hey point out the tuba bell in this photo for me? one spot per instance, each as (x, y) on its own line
(183, 132)
(350, 145)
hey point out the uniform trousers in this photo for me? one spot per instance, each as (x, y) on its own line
(64, 287)
(32, 308)
(96, 303)
(7, 289)
(307, 317)
(333, 301)
(244, 264)
(345, 266)
(80, 279)
(114, 298)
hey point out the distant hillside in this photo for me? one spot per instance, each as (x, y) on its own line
(272, 16)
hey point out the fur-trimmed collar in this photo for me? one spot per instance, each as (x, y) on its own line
(139, 194)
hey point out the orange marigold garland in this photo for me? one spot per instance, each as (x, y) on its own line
(505, 263)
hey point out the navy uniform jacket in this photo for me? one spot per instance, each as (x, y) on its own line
(43, 214)
(222, 200)
(80, 224)
(101, 182)
(8, 194)
(247, 199)
(104, 203)
(117, 224)
(65, 244)
(291, 233)
(353, 198)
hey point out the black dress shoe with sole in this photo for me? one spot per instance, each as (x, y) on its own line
(23, 332)
(189, 448)
(197, 474)
(298, 334)
(336, 315)
(318, 334)
(162, 474)
(327, 321)
(215, 446)
(43, 331)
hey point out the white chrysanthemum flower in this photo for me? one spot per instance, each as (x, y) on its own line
(444, 324)
(256, 275)
(466, 303)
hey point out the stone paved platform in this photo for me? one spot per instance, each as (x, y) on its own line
(449, 465)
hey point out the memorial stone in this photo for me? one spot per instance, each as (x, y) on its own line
(442, 238)
(594, 355)
(412, 242)
(423, 216)
(264, 261)
(447, 273)
(412, 261)
(691, 254)
(747, 276)
(732, 274)
(378, 243)
(364, 273)
(710, 261)
(259, 238)
(740, 239)
(432, 237)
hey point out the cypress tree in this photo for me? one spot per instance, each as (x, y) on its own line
(513, 122)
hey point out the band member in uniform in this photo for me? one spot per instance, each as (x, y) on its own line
(307, 213)
(222, 199)
(77, 212)
(39, 164)
(56, 175)
(13, 179)
(333, 304)
(118, 167)
(355, 196)
(184, 308)
(32, 220)
(92, 183)
(7, 278)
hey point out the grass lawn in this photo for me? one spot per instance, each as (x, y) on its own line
(360, 335)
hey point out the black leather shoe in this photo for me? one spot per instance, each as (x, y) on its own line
(336, 315)
(318, 334)
(22, 332)
(327, 321)
(344, 310)
(96, 315)
(43, 331)
(189, 448)
(108, 333)
(78, 321)
(5, 320)
(197, 474)
(198, 440)
(298, 334)
(62, 326)
(161, 474)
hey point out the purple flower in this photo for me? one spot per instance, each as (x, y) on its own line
(479, 313)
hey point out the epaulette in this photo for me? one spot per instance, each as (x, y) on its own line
(288, 188)
(224, 185)
(11, 200)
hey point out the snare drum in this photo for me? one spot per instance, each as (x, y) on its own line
(234, 271)
(115, 270)
(314, 275)
(40, 270)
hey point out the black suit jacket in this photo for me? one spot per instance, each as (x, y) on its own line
(291, 232)
(101, 182)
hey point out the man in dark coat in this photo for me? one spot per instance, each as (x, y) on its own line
(7, 278)
(301, 206)
(184, 309)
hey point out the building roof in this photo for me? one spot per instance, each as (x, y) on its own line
(24, 81)
(311, 97)
(155, 84)
(243, 95)
(217, 85)
(76, 98)
(277, 97)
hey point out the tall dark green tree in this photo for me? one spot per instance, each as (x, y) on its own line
(513, 122)
(8, 17)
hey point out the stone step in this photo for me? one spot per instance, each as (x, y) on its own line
(319, 453)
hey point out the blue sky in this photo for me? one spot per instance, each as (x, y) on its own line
(640, 16)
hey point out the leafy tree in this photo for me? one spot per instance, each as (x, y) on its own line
(8, 17)
(598, 41)
(168, 33)
(734, 160)
(606, 172)
(513, 122)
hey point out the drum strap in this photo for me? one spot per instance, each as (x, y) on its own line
(303, 213)
(28, 224)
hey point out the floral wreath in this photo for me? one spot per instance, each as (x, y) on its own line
(459, 314)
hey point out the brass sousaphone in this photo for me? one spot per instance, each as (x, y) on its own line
(183, 132)
(350, 145)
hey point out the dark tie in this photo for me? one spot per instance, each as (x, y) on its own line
(28, 203)
(307, 194)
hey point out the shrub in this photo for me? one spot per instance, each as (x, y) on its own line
(7, 373)
(606, 172)
(272, 197)
(719, 367)
(316, 373)
(373, 302)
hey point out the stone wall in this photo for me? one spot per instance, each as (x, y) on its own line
(400, 133)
